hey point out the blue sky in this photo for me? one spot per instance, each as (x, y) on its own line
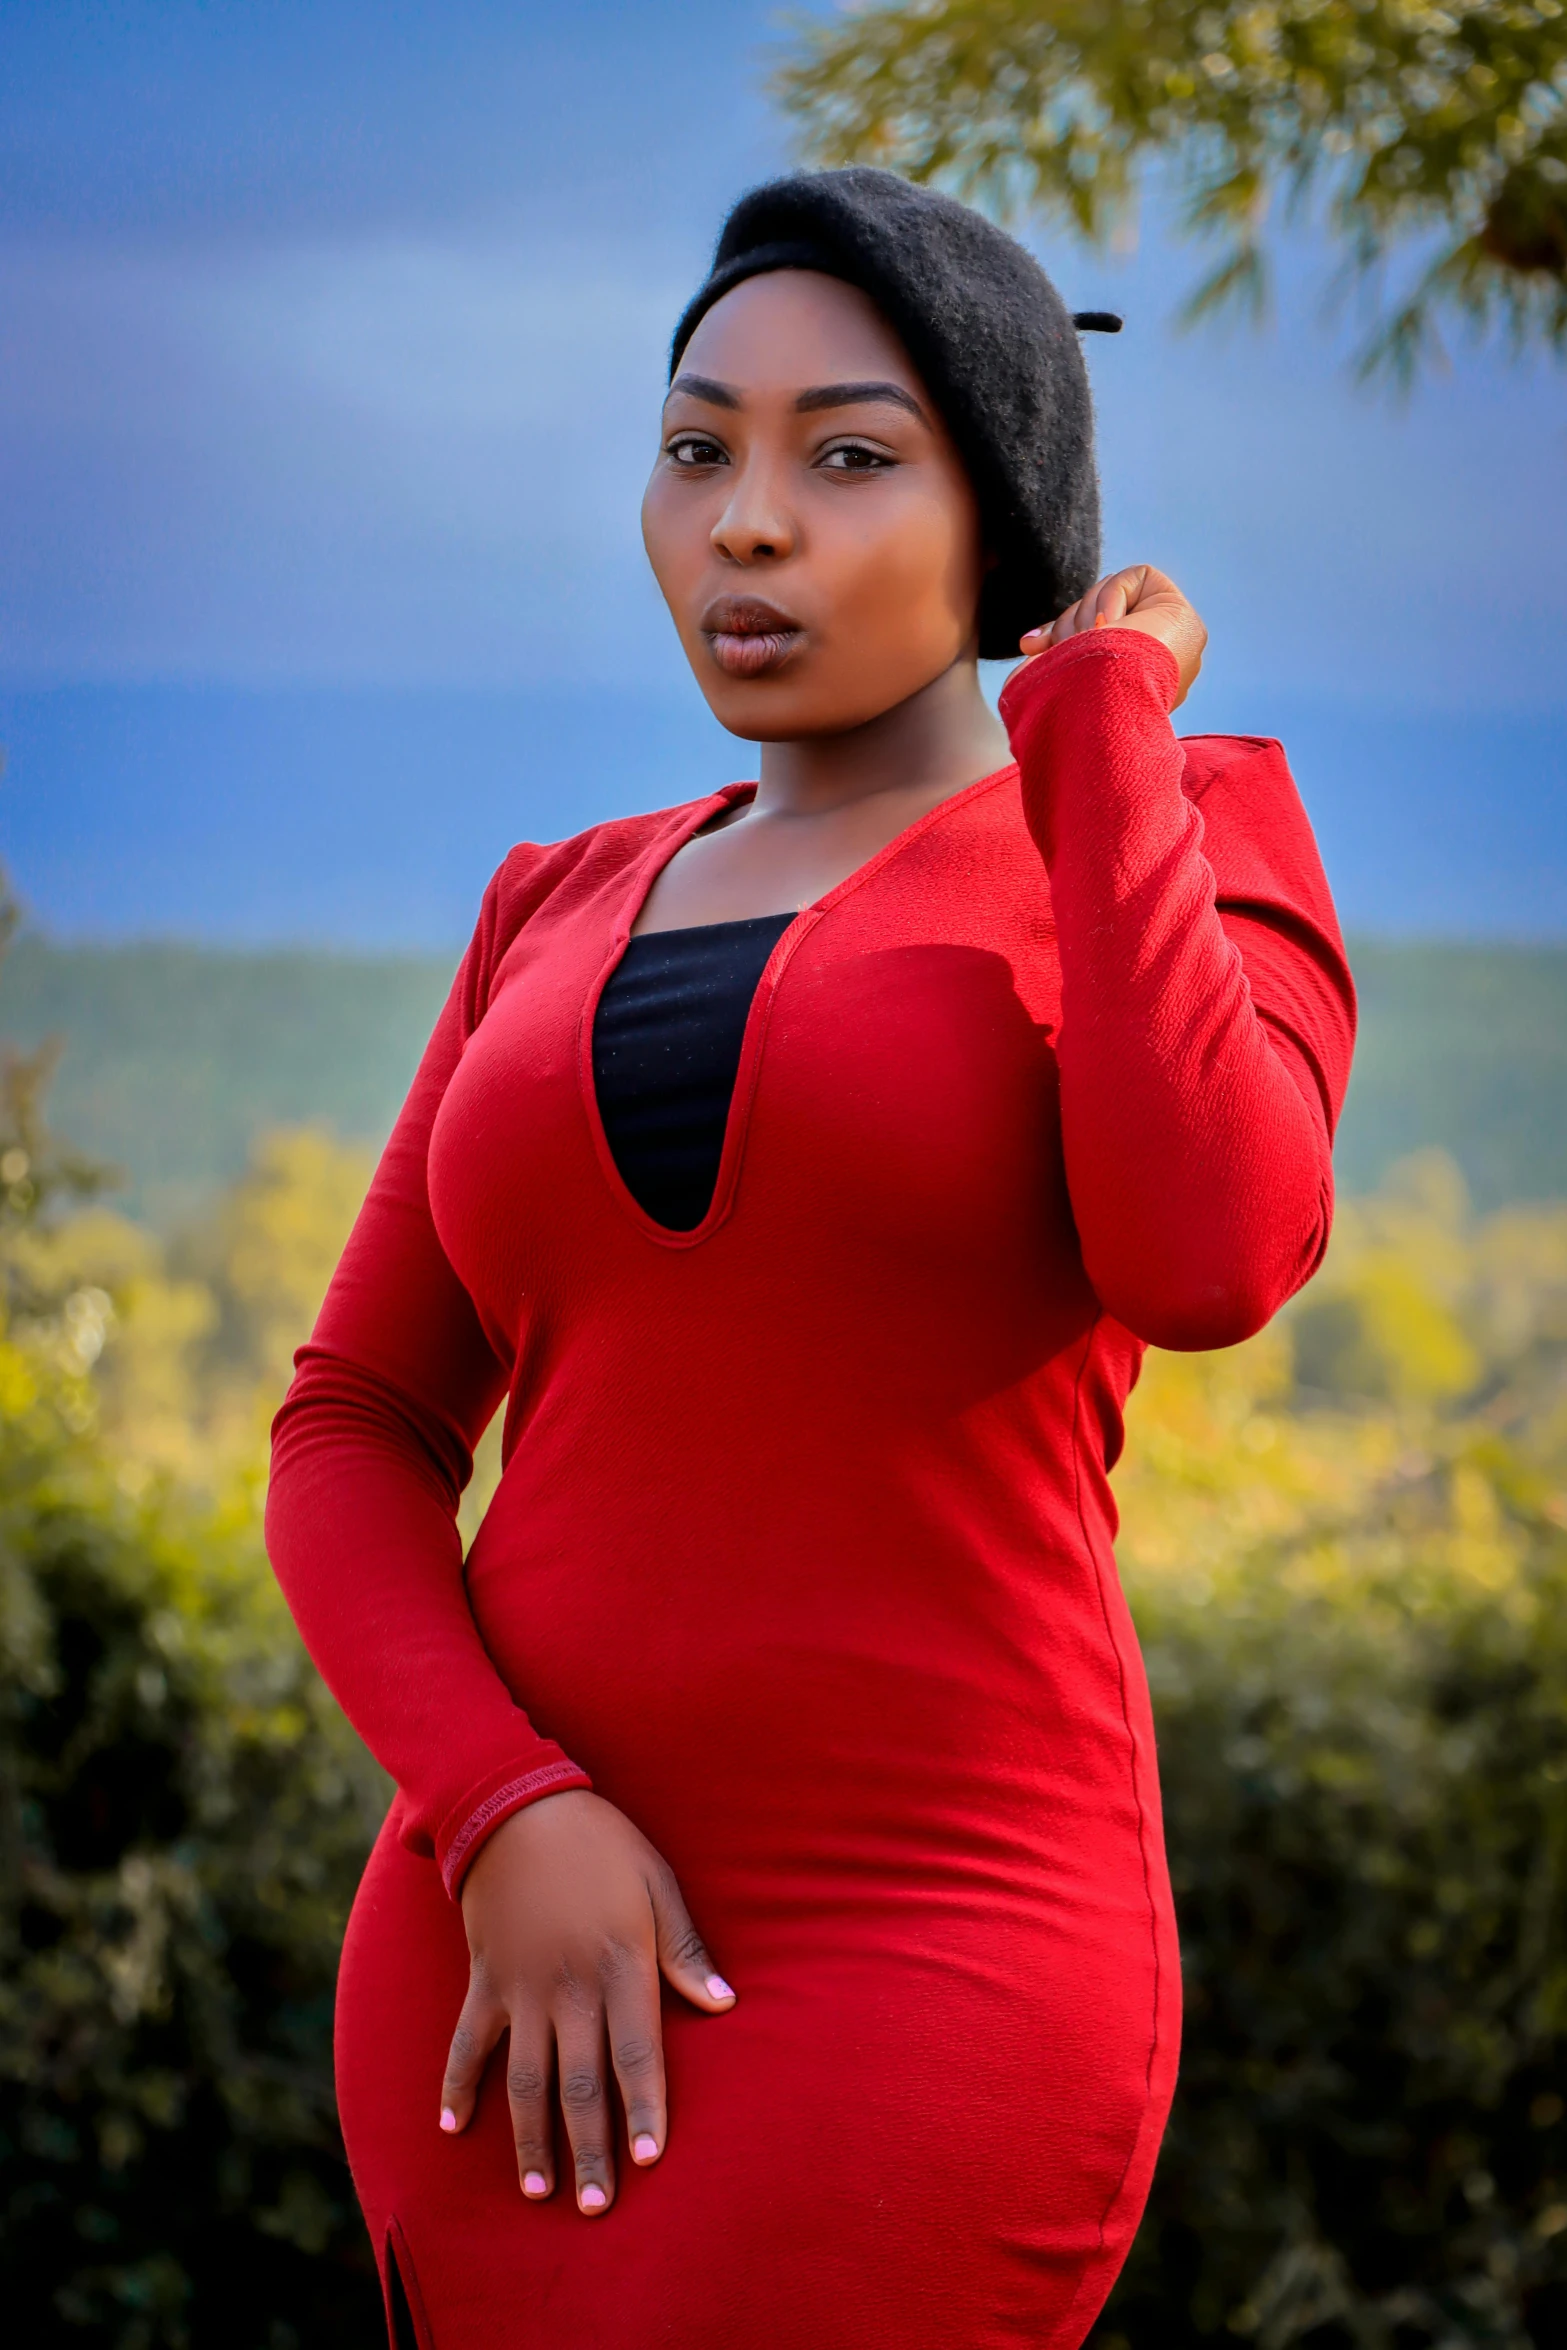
(330, 350)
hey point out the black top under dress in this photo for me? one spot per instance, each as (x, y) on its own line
(666, 1051)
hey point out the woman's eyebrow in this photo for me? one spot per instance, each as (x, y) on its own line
(858, 395)
(706, 387)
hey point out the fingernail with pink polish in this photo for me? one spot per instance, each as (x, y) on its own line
(448, 2118)
(717, 1988)
(593, 2199)
(535, 2183)
(645, 2147)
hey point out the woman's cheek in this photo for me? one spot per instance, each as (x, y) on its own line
(922, 587)
(676, 536)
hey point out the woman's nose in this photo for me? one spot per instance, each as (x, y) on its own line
(755, 525)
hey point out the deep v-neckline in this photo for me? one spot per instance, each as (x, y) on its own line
(639, 887)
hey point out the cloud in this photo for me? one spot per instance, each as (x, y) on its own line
(393, 460)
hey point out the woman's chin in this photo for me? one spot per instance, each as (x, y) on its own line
(771, 707)
(792, 706)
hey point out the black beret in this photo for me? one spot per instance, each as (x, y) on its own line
(993, 341)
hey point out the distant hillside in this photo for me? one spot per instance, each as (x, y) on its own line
(1467, 1047)
(176, 1057)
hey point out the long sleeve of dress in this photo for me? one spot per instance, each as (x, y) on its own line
(371, 1452)
(1207, 1012)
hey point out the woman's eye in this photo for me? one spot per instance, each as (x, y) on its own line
(854, 457)
(694, 450)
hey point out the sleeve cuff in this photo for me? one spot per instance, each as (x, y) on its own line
(1030, 688)
(467, 1826)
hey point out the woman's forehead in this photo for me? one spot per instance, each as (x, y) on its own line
(794, 327)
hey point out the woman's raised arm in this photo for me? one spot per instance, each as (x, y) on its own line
(1208, 1013)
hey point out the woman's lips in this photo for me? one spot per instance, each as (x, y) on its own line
(751, 656)
(747, 637)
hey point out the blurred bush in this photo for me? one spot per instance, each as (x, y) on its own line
(183, 1817)
(183, 1813)
(1346, 1545)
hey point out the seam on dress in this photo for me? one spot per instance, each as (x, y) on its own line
(399, 2257)
(753, 1047)
(892, 850)
(504, 1799)
(1131, 1739)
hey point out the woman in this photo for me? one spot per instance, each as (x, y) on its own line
(807, 1168)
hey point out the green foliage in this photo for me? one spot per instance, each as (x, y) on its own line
(1346, 1547)
(183, 1813)
(37, 1170)
(1427, 131)
(1366, 1807)
(183, 1816)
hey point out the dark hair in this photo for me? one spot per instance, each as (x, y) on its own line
(993, 341)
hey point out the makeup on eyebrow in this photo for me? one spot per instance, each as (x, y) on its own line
(708, 388)
(852, 395)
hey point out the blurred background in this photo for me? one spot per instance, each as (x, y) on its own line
(332, 345)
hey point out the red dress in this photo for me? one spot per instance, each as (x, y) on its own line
(803, 1545)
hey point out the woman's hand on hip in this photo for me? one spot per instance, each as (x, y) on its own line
(571, 1918)
(1138, 597)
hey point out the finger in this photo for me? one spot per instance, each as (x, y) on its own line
(1114, 597)
(1048, 633)
(1110, 595)
(1091, 611)
(479, 2026)
(584, 2099)
(682, 1954)
(528, 2095)
(636, 2049)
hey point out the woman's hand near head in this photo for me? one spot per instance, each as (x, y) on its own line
(1141, 598)
(571, 1917)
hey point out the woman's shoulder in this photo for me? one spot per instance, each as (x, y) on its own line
(1225, 759)
(536, 874)
(1256, 832)
(534, 871)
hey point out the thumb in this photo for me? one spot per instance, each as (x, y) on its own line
(682, 1954)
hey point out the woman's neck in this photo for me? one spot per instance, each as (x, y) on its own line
(930, 746)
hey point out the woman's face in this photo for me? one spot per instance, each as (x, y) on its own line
(808, 519)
